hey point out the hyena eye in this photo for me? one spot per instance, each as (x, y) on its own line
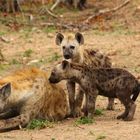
(63, 47)
(72, 47)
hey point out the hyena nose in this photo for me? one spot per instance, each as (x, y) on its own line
(66, 56)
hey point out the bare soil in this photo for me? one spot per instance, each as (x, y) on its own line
(118, 37)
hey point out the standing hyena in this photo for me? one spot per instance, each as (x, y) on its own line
(73, 50)
(26, 95)
(109, 82)
(81, 4)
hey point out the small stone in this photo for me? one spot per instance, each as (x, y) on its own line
(50, 35)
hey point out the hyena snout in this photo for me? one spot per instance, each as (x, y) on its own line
(67, 56)
(53, 78)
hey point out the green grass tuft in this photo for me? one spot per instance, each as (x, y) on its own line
(39, 124)
(84, 120)
(28, 53)
(50, 29)
(99, 112)
(14, 62)
(54, 57)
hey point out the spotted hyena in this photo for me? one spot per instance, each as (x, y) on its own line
(73, 50)
(109, 82)
(27, 94)
(81, 4)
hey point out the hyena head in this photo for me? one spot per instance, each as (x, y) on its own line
(60, 72)
(5, 92)
(71, 45)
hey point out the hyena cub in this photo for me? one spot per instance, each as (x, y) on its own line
(26, 95)
(109, 82)
(73, 50)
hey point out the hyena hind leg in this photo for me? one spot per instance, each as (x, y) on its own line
(130, 107)
(131, 113)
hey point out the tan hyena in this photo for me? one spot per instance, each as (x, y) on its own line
(109, 82)
(26, 95)
(73, 50)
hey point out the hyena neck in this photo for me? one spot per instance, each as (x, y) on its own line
(77, 73)
(78, 58)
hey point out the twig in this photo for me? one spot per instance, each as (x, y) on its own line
(67, 26)
(45, 9)
(102, 12)
(79, 126)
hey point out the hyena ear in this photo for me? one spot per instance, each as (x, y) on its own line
(5, 91)
(58, 39)
(65, 64)
(79, 37)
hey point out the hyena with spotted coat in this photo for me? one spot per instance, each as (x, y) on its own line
(72, 48)
(109, 82)
(27, 94)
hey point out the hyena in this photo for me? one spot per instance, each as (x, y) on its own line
(109, 82)
(81, 4)
(27, 94)
(72, 48)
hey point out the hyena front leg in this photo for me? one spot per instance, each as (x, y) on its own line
(110, 104)
(71, 92)
(78, 102)
(90, 103)
(15, 122)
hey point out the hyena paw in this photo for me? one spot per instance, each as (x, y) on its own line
(90, 115)
(110, 107)
(128, 119)
(77, 112)
(122, 116)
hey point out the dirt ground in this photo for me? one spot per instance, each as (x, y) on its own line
(119, 38)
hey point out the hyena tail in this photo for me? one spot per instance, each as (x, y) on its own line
(14, 123)
(136, 93)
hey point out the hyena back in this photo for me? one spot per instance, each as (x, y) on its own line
(73, 50)
(26, 95)
(109, 82)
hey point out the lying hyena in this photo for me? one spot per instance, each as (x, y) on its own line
(73, 50)
(26, 95)
(109, 82)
